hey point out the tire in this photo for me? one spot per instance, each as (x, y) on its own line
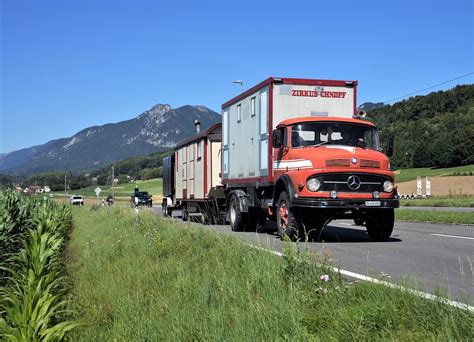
(379, 224)
(359, 221)
(164, 208)
(287, 223)
(235, 215)
(185, 216)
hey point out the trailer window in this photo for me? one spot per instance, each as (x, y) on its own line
(199, 150)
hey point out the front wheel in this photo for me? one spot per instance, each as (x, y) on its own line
(287, 223)
(379, 224)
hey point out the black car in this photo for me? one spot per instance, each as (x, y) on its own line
(141, 198)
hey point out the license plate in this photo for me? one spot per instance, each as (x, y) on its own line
(372, 203)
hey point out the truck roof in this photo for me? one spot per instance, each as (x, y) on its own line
(197, 136)
(287, 80)
(293, 121)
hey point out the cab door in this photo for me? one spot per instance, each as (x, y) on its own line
(281, 154)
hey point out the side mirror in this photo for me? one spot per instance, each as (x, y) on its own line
(390, 147)
(277, 138)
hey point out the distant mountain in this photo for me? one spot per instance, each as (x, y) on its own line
(369, 106)
(157, 129)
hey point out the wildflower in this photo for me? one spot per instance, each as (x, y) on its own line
(324, 277)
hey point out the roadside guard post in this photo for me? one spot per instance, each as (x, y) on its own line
(97, 192)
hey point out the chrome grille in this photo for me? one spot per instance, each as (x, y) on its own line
(340, 182)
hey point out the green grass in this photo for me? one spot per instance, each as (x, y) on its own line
(153, 186)
(411, 174)
(457, 201)
(449, 217)
(152, 279)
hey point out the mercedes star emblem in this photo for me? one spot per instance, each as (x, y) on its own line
(353, 182)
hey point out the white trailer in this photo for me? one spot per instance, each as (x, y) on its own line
(249, 119)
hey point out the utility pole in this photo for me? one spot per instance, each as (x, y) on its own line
(65, 188)
(113, 181)
(241, 84)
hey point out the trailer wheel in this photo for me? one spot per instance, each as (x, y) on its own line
(379, 224)
(235, 215)
(185, 215)
(287, 223)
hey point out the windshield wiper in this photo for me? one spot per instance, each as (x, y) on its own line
(317, 145)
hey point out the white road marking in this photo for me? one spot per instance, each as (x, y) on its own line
(386, 283)
(454, 236)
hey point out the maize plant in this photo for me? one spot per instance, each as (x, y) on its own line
(32, 302)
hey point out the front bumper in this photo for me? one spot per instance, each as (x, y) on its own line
(327, 203)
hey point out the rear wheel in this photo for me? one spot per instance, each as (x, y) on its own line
(287, 223)
(185, 214)
(379, 224)
(235, 215)
(164, 207)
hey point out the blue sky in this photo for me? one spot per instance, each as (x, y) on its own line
(67, 65)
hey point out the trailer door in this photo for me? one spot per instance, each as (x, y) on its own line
(263, 133)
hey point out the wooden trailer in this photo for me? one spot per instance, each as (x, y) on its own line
(198, 189)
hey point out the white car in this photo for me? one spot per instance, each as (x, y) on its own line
(77, 200)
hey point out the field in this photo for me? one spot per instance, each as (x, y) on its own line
(447, 217)
(442, 186)
(147, 278)
(411, 174)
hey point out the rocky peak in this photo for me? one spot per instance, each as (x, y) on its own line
(157, 111)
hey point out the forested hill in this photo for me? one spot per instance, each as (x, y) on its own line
(432, 130)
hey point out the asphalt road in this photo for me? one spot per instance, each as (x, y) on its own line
(436, 258)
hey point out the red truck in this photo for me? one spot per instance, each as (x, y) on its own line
(292, 150)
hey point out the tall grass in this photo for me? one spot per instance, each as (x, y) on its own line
(147, 278)
(32, 298)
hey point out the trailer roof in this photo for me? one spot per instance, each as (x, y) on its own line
(286, 80)
(198, 136)
(293, 121)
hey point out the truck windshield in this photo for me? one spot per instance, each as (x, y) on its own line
(334, 133)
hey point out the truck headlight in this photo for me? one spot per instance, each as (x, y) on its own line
(313, 184)
(388, 186)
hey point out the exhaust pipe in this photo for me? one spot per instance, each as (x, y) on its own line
(197, 124)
